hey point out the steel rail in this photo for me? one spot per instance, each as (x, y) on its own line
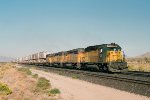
(101, 75)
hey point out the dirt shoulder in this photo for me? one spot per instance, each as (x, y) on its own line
(22, 85)
(74, 89)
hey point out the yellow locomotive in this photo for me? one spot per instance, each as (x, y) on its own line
(105, 57)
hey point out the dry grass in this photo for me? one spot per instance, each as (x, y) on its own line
(25, 70)
(54, 91)
(42, 85)
(21, 84)
(138, 65)
(76, 76)
(35, 76)
(4, 67)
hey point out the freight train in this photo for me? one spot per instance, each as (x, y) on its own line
(104, 57)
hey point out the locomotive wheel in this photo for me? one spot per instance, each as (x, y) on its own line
(74, 66)
(97, 68)
(100, 67)
(105, 68)
(61, 65)
(79, 66)
(49, 65)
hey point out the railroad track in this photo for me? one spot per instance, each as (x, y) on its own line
(100, 75)
(135, 73)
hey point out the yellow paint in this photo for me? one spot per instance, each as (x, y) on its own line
(62, 58)
(92, 56)
(113, 56)
(81, 57)
(71, 58)
(48, 59)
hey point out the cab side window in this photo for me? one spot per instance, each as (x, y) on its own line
(101, 50)
(101, 53)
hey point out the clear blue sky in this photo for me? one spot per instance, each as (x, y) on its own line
(28, 26)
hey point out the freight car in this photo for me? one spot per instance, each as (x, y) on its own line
(105, 57)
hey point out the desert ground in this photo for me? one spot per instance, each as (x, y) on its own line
(23, 86)
(74, 89)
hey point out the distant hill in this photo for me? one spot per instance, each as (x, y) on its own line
(6, 59)
(147, 55)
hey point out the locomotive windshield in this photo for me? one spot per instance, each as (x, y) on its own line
(114, 49)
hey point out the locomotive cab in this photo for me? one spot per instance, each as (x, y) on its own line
(115, 58)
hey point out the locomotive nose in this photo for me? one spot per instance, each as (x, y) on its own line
(119, 65)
